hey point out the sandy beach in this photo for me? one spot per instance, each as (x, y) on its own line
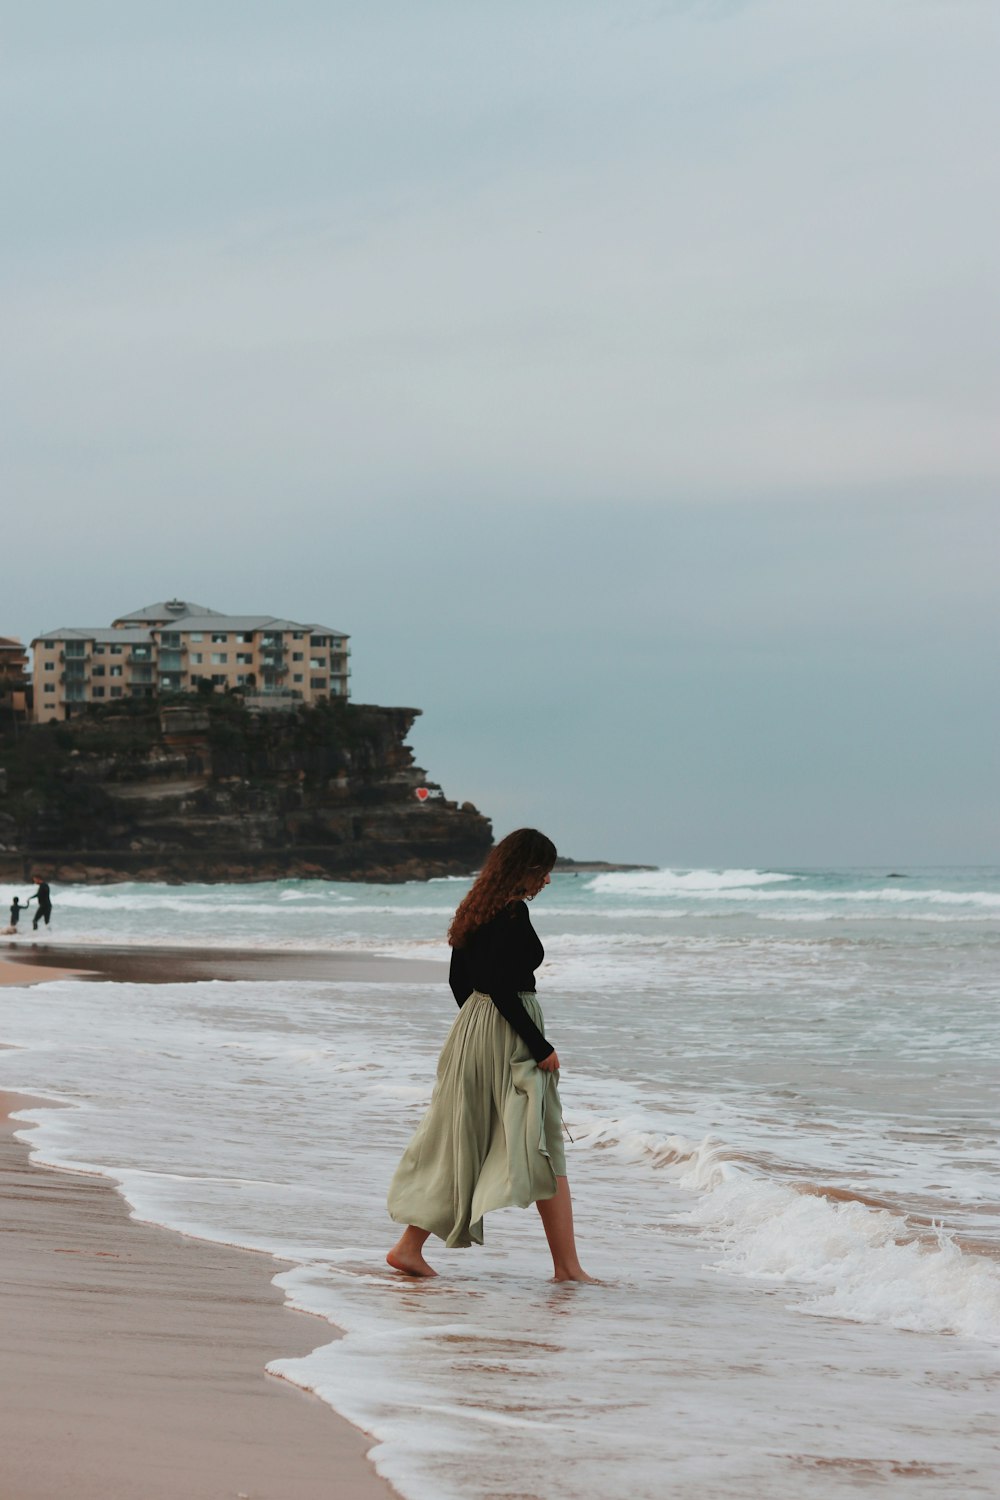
(133, 1358)
(137, 963)
(32, 970)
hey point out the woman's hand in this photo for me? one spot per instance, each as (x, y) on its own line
(550, 1064)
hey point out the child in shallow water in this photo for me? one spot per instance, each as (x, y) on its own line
(16, 908)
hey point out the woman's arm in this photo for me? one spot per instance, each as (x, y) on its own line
(497, 964)
(510, 1005)
(458, 978)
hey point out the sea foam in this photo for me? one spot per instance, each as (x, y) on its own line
(682, 882)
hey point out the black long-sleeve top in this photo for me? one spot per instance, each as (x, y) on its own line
(499, 959)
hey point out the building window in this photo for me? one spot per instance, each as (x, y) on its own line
(116, 651)
(244, 658)
(116, 692)
(171, 638)
(50, 666)
(298, 656)
(317, 663)
(318, 640)
(98, 692)
(296, 676)
(219, 658)
(196, 635)
(97, 672)
(115, 672)
(297, 635)
(50, 687)
(246, 637)
(219, 679)
(317, 682)
(196, 658)
(217, 639)
(98, 650)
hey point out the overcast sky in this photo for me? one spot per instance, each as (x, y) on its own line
(622, 376)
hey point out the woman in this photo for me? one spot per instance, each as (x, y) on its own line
(493, 1133)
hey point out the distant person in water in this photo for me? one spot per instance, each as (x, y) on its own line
(16, 908)
(43, 897)
(492, 1136)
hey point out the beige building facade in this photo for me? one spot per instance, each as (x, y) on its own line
(15, 681)
(170, 647)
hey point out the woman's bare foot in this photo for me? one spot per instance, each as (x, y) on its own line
(557, 1219)
(416, 1266)
(406, 1254)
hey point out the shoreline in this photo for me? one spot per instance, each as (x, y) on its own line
(134, 1357)
(149, 963)
(17, 971)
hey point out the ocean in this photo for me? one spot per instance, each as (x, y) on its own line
(781, 1088)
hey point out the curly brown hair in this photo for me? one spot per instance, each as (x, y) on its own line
(521, 858)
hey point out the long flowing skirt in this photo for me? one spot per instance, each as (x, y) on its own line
(492, 1136)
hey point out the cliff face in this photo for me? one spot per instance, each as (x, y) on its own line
(205, 790)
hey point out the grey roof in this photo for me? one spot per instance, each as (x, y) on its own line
(219, 622)
(103, 635)
(205, 620)
(168, 609)
(214, 621)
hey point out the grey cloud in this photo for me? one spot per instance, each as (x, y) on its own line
(619, 376)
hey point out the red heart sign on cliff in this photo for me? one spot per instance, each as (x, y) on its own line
(422, 793)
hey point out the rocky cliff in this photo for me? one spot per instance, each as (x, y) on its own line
(205, 790)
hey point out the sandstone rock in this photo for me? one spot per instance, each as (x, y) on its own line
(320, 793)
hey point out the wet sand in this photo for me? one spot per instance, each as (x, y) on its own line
(14, 971)
(133, 1358)
(152, 964)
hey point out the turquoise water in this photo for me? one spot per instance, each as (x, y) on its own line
(783, 1093)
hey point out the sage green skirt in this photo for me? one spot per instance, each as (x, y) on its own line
(492, 1136)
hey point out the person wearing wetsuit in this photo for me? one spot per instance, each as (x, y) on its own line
(43, 910)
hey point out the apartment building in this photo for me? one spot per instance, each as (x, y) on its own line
(169, 647)
(15, 684)
(13, 661)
